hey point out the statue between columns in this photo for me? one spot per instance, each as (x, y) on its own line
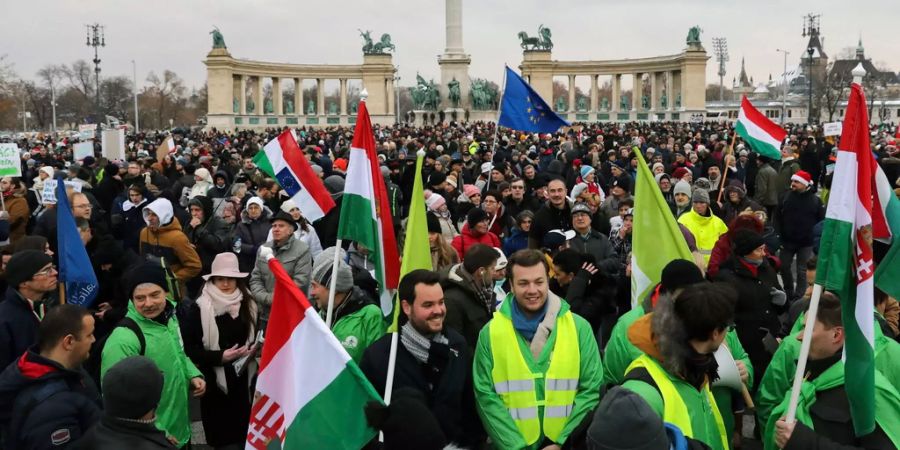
(540, 42)
(453, 93)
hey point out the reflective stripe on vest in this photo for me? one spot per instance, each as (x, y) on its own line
(515, 383)
(675, 411)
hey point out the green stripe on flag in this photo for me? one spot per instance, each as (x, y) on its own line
(324, 422)
(887, 275)
(761, 147)
(263, 163)
(362, 227)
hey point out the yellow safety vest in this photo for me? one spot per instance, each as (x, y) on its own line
(514, 381)
(674, 409)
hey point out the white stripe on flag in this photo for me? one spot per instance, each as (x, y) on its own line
(756, 132)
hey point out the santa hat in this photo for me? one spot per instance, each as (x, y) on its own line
(802, 177)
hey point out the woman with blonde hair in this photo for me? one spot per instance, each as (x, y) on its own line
(443, 255)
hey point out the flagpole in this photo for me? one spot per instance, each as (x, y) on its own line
(728, 152)
(811, 314)
(496, 128)
(62, 293)
(332, 284)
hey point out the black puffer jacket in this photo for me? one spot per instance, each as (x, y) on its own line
(797, 215)
(253, 233)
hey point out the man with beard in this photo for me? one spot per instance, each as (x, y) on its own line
(431, 358)
(677, 366)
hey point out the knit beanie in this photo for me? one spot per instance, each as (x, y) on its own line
(474, 216)
(624, 421)
(148, 272)
(680, 173)
(700, 196)
(745, 241)
(322, 265)
(679, 273)
(23, 265)
(471, 190)
(132, 387)
(436, 178)
(683, 187)
(586, 170)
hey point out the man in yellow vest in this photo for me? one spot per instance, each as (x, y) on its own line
(674, 372)
(537, 370)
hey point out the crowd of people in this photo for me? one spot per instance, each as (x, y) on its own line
(521, 336)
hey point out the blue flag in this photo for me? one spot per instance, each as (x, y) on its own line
(74, 265)
(523, 109)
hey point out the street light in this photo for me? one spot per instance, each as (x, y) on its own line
(809, 51)
(96, 38)
(137, 120)
(784, 86)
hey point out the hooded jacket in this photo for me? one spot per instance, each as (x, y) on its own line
(169, 242)
(216, 191)
(202, 186)
(466, 312)
(209, 238)
(44, 405)
(467, 239)
(252, 233)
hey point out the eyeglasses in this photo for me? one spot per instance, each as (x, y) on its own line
(46, 272)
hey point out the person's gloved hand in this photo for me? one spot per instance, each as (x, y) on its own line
(779, 298)
(266, 253)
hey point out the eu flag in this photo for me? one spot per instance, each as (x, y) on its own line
(523, 109)
(74, 265)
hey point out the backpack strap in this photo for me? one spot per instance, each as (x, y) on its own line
(27, 400)
(128, 322)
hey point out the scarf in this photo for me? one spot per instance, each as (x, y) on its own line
(127, 204)
(213, 303)
(527, 326)
(417, 344)
(484, 293)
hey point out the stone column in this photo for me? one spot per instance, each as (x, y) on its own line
(676, 89)
(276, 97)
(670, 91)
(258, 108)
(653, 92)
(320, 96)
(616, 84)
(595, 94)
(298, 96)
(343, 108)
(571, 93)
(636, 92)
(243, 95)
(454, 28)
(390, 95)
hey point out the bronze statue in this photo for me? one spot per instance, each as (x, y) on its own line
(484, 95)
(540, 42)
(288, 106)
(311, 108)
(664, 101)
(645, 102)
(251, 105)
(560, 104)
(693, 36)
(236, 105)
(623, 103)
(367, 40)
(376, 48)
(453, 93)
(604, 104)
(218, 40)
(332, 108)
(425, 95)
(678, 100)
(268, 107)
(581, 104)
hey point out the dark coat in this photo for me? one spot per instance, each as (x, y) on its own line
(797, 215)
(42, 401)
(18, 327)
(327, 226)
(445, 381)
(253, 234)
(112, 434)
(597, 245)
(209, 238)
(548, 218)
(466, 312)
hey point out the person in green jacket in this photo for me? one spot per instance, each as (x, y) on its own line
(154, 314)
(527, 399)
(356, 319)
(620, 352)
(677, 366)
(823, 411)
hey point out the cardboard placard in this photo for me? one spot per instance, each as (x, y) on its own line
(833, 128)
(86, 131)
(113, 144)
(10, 160)
(48, 194)
(83, 149)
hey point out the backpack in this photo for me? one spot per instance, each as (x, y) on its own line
(92, 365)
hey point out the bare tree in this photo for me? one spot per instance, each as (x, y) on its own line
(837, 84)
(165, 96)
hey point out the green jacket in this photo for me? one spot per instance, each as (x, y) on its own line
(358, 330)
(494, 415)
(776, 383)
(620, 353)
(165, 348)
(887, 404)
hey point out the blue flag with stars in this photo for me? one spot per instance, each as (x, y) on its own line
(523, 109)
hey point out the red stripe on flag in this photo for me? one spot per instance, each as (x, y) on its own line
(855, 138)
(298, 163)
(364, 138)
(289, 307)
(762, 121)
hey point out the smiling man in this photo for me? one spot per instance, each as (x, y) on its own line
(537, 369)
(431, 358)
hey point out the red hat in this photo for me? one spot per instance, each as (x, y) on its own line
(341, 164)
(803, 177)
(680, 173)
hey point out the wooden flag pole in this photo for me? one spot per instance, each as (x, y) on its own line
(728, 152)
(62, 293)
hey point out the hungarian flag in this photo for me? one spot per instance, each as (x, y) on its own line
(310, 394)
(656, 238)
(366, 212)
(760, 133)
(855, 217)
(282, 160)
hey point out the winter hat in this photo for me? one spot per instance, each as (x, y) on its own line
(148, 272)
(254, 201)
(288, 205)
(624, 421)
(735, 186)
(434, 201)
(471, 190)
(501, 260)
(658, 177)
(683, 187)
(680, 173)
(486, 167)
(745, 241)
(436, 178)
(702, 183)
(657, 164)
(451, 180)
(434, 225)
(334, 184)
(622, 182)
(406, 423)
(554, 238)
(586, 170)
(23, 265)
(88, 161)
(700, 196)
(132, 387)
(581, 208)
(48, 170)
(803, 177)
(322, 265)
(679, 273)
(579, 189)
(475, 216)
(284, 217)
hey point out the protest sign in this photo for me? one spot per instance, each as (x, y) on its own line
(48, 194)
(83, 149)
(86, 131)
(113, 144)
(10, 161)
(832, 129)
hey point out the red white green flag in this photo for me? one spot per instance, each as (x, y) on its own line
(760, 133)
(310, 393)
(366, 212)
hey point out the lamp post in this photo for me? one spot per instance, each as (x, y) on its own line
(784, 87)
(137, 120)
(809, 51)
(96, 39)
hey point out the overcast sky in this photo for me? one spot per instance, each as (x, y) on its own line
(174, 34)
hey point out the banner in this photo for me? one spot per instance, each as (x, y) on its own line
(48, 194)
(86, 131)
(10, 161)
(832, 128)
(83, 149)
(113, 144)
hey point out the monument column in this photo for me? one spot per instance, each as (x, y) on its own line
(616, 84)
(653, 92)
(243, 95)
(670, 91)
(571, 93)
(258, 107)
(320, 96)
(595, 92)
(298, 96)
(343, 97)
(390, 95)
(276, 96)
(454, 62)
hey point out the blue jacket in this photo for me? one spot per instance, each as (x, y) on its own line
(18, 327)
(516, 241)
